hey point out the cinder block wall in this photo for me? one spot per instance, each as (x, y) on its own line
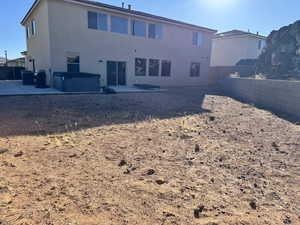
(275, 95)
(217, 73)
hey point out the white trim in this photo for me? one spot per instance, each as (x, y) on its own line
(33, 27)
(240, 36)
(29, 13)
(141, 17)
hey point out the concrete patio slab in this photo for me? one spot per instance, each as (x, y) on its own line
(129, 89)
(15, 88)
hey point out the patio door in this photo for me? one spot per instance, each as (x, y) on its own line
(116, 73)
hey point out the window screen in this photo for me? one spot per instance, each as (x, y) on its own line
(140, 67)
(195, 70)
(92, 20)
(119, 25)
(138, 28)
(153, 67)
(155, 31)
(166, 68)
(73, 62)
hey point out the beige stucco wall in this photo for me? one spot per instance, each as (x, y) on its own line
(38, 46)
(69, 33)
(228, 51)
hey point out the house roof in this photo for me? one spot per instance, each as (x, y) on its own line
(124, 10)
(22, 59)
(24, 53)
(2, 60)
(36, 2)
(238, 33)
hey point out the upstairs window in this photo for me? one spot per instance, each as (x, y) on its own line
(27, 32)
(33, 27)
(153, 67)
(140, 67)
(261, 44)
(92, 20)
(73, 62)
(155, 31)
(165, 68)
(138, 28)
(97, 21)
(195, 70)
(102, 22)
(119, 25)
(197, 39)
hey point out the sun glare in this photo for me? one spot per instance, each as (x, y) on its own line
(217, 4)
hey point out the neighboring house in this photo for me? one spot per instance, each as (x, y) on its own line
(19, 62)
(123, 45)
(230, 47)
(2, 61)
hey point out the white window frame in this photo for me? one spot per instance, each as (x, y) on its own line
(73, 55)
(133, 21)
(98, 21)
(166, 61)
(199, 39)
(27, 30)
(33, 28)
(159, 67)
(120, 17)
(199, 72)
(261, 44)
(156, 35)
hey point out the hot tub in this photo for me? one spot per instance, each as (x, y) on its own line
(76, 82)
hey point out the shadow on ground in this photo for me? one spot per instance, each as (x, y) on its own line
(282, 115)
(41, 115)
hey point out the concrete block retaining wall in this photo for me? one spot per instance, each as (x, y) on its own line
(275, 95)
(217, 73)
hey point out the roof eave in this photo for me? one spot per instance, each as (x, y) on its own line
(134, 13)
(34, 5)
(167, 20)
(242, 35)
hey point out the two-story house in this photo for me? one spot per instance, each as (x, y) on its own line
(123, 45)
(230, 47)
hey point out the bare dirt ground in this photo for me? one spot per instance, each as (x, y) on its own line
(180, 157)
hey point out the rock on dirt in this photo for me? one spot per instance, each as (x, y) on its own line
(212, 118)
(160, 182)
(253, 205)
(3, 222)
(287, 220)
(3, 150)
(150, 172)
(18, 154)
(73, 155)
(122, 163)
(197, 148)
(167, 214)
(198, 211)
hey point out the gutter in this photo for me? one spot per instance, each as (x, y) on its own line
(35, 4)
(123, 11)
(136, 14)
(241, 36)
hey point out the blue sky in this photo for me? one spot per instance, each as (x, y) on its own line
(223, 15)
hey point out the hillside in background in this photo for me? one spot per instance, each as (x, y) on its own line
(281, 58)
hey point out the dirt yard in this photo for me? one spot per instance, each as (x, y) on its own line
(181, 157)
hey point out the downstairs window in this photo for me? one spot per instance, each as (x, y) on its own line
(73, 63)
